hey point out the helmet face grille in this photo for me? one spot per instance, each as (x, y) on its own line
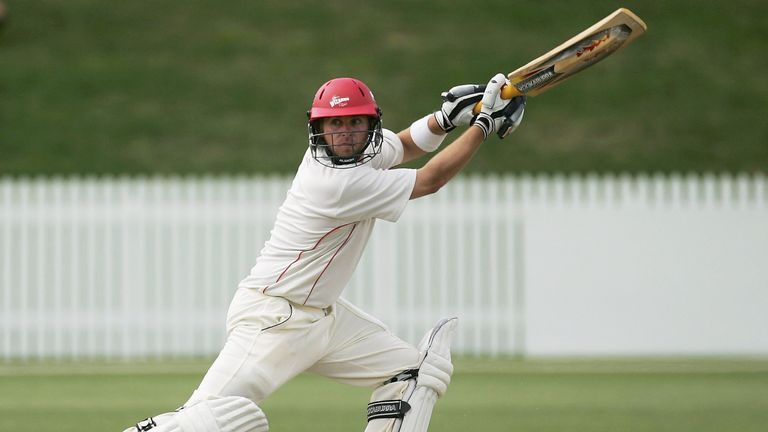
(323, 153)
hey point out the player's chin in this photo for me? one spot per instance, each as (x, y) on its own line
(344, 150)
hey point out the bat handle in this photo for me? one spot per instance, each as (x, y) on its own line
(507, 92)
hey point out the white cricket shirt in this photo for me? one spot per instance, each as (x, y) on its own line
(324, 223)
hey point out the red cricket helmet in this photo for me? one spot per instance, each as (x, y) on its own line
(344, 97)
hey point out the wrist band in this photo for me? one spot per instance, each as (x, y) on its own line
(424, 138)
(485, 123)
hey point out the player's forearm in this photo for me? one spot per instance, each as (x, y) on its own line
(446, 164)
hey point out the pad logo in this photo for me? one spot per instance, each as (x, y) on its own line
(338, 100)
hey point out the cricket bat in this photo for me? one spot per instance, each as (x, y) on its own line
(574, 55)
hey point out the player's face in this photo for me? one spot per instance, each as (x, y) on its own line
(346, 135)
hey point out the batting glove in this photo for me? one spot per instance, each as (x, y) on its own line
(511, 116)
(496, 114)
(457, 106)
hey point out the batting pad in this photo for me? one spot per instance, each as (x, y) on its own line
(435, 369)
(150, 423)
(422, 401)
(226, 414)
(388, 406)
(403, 405)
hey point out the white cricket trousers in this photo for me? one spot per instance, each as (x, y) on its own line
(271, 340)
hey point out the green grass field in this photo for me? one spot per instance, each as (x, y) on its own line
(608, 395)
(95, 87)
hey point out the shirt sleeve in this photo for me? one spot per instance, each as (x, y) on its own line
(373, 193)
(392, 151)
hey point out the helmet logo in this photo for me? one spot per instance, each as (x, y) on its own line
(338, 100)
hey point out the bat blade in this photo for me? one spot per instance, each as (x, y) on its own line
(576, 54)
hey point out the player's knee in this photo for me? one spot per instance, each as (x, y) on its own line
(436, 368)
(435, 373)
(237, 414)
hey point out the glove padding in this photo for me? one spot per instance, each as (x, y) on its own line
(458, 103)
(497, 114)
(511, 116)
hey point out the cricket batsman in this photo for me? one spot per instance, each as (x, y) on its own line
(287, 315)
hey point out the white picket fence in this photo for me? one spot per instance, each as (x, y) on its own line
(145, 267)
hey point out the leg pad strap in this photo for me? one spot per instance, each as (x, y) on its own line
(388, 409)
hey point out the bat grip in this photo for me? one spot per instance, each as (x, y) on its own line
(507, 92)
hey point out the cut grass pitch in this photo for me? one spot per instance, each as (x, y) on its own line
(635, 395)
